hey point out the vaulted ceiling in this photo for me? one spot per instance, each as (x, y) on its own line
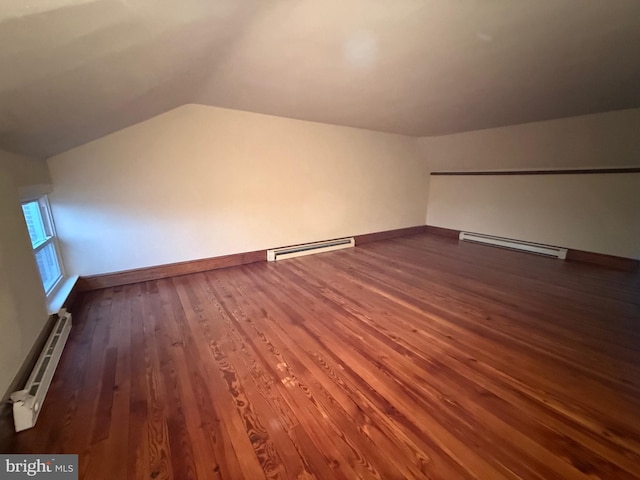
(74, 70)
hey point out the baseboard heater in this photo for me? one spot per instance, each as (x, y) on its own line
(536, 248)
(309, 248)
(27, 403)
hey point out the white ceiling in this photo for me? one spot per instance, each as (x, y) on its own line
(74, 70)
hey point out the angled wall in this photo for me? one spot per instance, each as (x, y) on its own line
(23, 311)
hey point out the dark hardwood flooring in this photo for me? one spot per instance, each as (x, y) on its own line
(416, 357)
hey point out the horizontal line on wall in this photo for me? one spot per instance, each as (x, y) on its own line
(581, 171)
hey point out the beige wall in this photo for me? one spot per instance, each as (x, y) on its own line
(602, 140)
(596, 213)
(200, 181)
(23, 312)
(30, 175)
(599, 213)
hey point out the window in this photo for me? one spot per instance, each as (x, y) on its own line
(43, 241)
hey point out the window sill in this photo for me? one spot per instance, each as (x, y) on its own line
(60, 294)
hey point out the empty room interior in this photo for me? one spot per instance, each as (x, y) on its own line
(320, 240)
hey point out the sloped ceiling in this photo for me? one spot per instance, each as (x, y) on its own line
(74, 70)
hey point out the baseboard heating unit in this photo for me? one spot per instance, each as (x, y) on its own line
(309, 248)
(27, 403)
(536, 248)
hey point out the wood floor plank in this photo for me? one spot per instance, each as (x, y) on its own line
(332, 374)
(119, 415)
(319, 382)
(276, 417)
(519, 354)
(300, 379)
(415, 357)
(288, 386)
(226, 403)
(483, 388)
(137, 458)
(406, 390)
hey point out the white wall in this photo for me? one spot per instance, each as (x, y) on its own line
(200, 182)
(23, 311)
(598, 213)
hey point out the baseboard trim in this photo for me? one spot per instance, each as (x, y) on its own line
(389, 234)
(601, 259)
(126, 277)
(573, 171)
(72, 297)
(609, 261)
(115, 279)
(443, 232)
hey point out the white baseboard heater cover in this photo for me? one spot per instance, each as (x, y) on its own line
(27, 403)
(537, 248)
(309, 248)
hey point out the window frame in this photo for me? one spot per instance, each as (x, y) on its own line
(51, 238)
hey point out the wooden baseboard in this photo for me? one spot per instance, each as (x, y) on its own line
(115, 279)
(72, 297)
(574, 171)
(388, 234)
(443, 232)
(96, 282)
(609, 261)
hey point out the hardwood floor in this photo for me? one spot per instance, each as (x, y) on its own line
(409, 358)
